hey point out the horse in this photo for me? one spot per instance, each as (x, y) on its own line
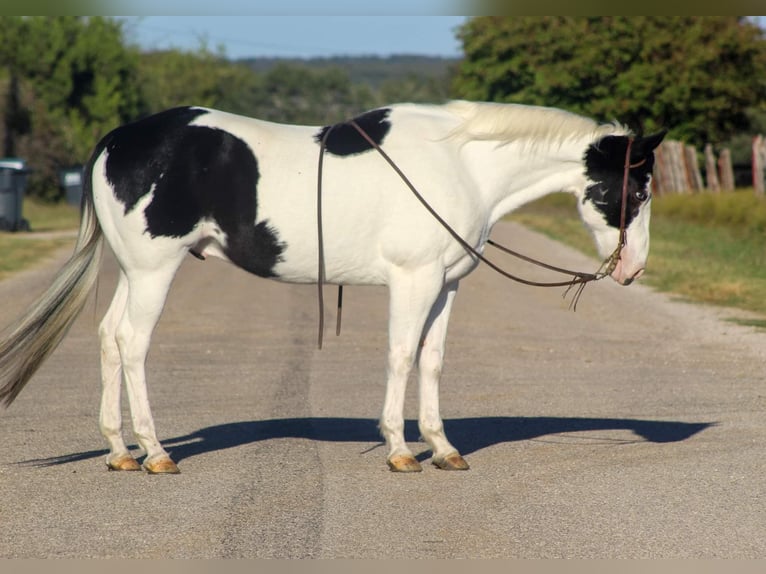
(215, 184)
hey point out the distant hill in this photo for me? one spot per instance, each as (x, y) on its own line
(371, 70)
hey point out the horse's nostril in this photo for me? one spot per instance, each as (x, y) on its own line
(629, 280)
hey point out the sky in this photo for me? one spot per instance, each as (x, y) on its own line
(299, 36)
(305, 36)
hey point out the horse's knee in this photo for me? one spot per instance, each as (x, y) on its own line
(400, 362)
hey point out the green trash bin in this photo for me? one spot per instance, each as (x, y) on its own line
(13, 183)
(71, 182)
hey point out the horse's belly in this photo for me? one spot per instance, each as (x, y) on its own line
(347, 265)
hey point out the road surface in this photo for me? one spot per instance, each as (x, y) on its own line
(634, 427)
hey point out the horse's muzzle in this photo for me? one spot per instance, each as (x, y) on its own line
(626, 274)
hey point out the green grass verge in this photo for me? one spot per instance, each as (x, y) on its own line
(44, 216)
(705, 248)
(21, 250)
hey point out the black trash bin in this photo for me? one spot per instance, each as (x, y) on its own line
(13, 183)
(71, 182)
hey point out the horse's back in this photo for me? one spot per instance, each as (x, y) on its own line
(246, 189)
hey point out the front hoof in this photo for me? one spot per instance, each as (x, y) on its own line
(404, 463)
(123, 462)
(451, 462)
(161, 466)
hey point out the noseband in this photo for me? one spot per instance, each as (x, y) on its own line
(578, 279)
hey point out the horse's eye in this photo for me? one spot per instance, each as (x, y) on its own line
(640, 195)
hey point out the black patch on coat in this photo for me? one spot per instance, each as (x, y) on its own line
(197, 172)
(605, 164)
(344, 140)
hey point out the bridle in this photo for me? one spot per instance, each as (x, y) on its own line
(578, 279)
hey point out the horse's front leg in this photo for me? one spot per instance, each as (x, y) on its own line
(146, 297)
(412, 295)
(430, 362)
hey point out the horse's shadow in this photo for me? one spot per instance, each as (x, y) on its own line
(468, 434)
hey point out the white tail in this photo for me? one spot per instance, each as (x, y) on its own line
(35, 335)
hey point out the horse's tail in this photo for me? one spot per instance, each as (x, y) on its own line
(26, 344)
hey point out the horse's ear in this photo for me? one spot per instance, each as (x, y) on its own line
(643, 146)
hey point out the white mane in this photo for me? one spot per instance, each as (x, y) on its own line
(537, 125)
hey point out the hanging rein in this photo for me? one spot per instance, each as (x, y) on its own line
(578, 278)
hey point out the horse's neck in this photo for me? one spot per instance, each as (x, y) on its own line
(509, 176)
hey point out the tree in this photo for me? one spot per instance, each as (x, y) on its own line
(172, 78)
(69, 81)
(294, 93)
(695, 75)
(414, 88)
(287, 92)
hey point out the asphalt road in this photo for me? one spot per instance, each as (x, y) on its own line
(631, 428)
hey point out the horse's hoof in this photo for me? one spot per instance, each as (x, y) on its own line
(161, 466)
(124, 462)
(451, 462)
(404, 463)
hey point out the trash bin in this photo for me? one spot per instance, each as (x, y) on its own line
(71, 181)
(13, 183)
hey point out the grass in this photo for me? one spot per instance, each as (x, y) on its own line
(44, 216)
(706, 248)
(21, 250)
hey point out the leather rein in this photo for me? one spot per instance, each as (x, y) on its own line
(578, 279)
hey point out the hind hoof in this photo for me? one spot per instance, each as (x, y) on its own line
(404, 463)
(451, 462)
(161, 466)
(124, 462)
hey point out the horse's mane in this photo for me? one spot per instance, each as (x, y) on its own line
(536, 125)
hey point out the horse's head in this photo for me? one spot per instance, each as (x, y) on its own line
(601, 203)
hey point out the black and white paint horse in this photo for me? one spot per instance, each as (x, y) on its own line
(216, 184)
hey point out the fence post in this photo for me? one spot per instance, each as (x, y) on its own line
(660, 180)
(759, 158)
(711, 173)
(725, 170)
(693, 175)
(676, 165)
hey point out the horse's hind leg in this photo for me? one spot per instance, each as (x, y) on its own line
(110, 420)
(146, 297)
(430, 363)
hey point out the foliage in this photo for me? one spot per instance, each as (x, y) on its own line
(741, 144)
(291, 91)
(695, 75)
(175, 78)
(298, 94)
(67, 81)
(373, 71)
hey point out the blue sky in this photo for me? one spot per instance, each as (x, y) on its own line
(299, 36)
(303, 36)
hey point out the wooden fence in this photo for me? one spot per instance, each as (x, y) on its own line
(677, 168)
